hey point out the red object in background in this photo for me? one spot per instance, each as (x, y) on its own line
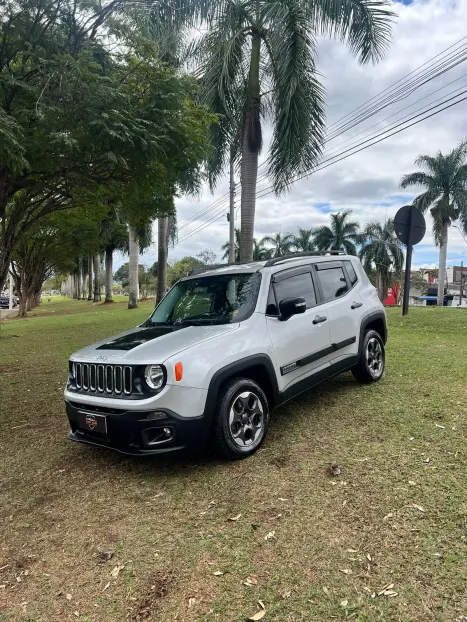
(391, 298)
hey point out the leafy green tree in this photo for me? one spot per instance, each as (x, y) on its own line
(445, 180)
(381, 250)
(281, 244)
(258, 62)
(182, 268)
(207, 257)
(84, 115)
(304, 240)
(341, 235)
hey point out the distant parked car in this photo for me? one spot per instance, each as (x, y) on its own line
(5, 301)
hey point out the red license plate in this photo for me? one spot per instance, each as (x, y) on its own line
(93, 423)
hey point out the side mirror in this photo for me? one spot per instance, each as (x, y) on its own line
(291, 306)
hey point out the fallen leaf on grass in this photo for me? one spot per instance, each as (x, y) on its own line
(252, 579)
(412, 483)
(389, 586)
(286, 594)
(191, 601)
(76, 613)
(116, 571)
(261, 604)
(68, 596)
(368, 556)
(335, 469)
(443, 427)
(418, 507)
(258, 616)
(234, 518)
(345, 570)
(218, 573)
(426, 461)
(326, 591)
(106, 586)
(352, 551)
(282, 499)
(344, 603)
(390, 515)
(270, 535)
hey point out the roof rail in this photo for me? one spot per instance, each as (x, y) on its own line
(215, 266)
(275, 260)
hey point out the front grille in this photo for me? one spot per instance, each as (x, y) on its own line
(108, 379)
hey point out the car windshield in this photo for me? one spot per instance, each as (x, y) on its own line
(214, 299)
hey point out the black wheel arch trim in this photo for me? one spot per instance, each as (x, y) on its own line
(368, 319)
(241, 368)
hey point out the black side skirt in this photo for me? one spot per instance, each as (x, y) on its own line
(311, 381)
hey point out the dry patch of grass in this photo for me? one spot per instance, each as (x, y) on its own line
(93, 536)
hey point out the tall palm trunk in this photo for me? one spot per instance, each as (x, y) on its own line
(443, 249)
(83, 278)
(162, 251)
(251, 145)
(90, 277)
(133, 268)
(108, 273)
(97, 278)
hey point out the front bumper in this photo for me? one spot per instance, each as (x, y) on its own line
(132, 433)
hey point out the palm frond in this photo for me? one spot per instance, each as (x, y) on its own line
(298, 96)
(417, 179)
(364, 24)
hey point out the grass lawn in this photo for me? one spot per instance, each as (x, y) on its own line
(310, 547)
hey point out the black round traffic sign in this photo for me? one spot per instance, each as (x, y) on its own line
(413, 216)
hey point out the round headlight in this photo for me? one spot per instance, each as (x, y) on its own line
(154, 376)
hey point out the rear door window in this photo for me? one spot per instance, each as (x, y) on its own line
(333, 283)
(351, 272)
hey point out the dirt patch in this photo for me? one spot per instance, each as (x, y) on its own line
(149, 604)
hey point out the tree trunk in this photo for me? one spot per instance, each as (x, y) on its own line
(232, 214)
(97, 280)
(83, 279)
(163, 224)
(90, 277)
(108, 274)
(443, 249)
(133, 289)
(251, 145)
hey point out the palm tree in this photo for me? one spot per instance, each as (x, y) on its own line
(281, 244)
(260, 253)
(226, 247)
(342, 234)
(304, 240)
(133, 262)
(258, 62)
(382, 250)
(114, 236)
(445, 180)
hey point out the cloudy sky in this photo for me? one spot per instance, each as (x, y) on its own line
(368, 182)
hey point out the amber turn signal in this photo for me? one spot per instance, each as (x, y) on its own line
(178, 371)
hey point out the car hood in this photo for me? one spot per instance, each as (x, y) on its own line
(152, 344)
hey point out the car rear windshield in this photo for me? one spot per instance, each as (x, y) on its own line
(214, 299)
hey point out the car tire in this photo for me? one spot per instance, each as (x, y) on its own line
(242, 419)
(370, 367)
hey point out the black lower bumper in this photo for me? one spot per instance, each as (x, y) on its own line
(136, 433)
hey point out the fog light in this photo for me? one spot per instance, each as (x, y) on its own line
(157, 414)
(167, 432)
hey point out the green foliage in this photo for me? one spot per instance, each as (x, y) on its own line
(146, 278)
(445, 180)
(182, 268)
(280, 244)
(342, 234)
(89, 115)
(206, 257)
(381, 250)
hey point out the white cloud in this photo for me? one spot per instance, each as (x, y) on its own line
(368, 182)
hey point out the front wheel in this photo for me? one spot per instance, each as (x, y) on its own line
(242, 419)
(370, 367)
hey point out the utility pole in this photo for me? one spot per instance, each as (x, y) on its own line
(232, 214)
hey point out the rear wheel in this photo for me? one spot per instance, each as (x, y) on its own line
(370, 367)
(242, 419)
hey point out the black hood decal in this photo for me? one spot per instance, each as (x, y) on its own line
(138, 337)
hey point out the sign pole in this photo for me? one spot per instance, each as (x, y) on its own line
(408, 265)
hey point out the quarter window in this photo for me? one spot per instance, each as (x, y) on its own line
(295, 286)
(333, 283)
(351, 272)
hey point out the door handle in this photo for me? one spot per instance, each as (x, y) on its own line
(356, 305)
(319, 318)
